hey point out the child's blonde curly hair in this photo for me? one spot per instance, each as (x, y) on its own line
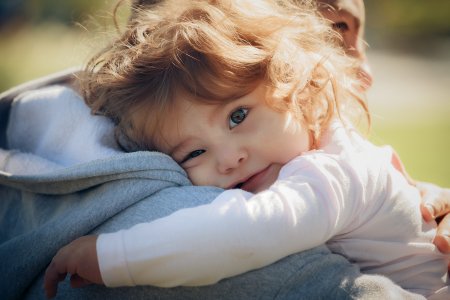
(219, 50)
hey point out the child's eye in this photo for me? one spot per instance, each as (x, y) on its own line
(192, 155)
(237, 117)
(340, 26)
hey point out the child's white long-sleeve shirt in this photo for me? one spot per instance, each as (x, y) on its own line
(347, 195)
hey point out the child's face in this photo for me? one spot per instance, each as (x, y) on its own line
(242, 143)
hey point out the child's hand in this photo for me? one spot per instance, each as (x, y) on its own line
(436, 204)
(79, 259)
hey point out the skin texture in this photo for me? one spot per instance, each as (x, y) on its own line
(436, 204)
(79, 259)
(243, 142)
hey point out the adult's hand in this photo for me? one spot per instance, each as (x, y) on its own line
(436, 206)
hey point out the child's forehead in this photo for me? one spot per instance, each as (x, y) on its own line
(186, 116)
(185, 97)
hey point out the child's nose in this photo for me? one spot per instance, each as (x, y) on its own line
(231, 158)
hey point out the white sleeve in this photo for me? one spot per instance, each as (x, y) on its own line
(237, 232)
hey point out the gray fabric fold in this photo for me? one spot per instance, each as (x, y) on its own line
(46, 212)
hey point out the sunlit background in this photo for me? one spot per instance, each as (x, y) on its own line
(409, 50)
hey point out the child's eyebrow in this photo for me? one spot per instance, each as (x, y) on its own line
(179, 147)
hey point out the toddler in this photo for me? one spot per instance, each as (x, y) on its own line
(255, 97)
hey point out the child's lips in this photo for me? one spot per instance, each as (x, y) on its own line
(257, 181)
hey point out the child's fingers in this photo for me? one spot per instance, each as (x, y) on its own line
(77, 281)
(57, 270)
(442, 239)
(427, 212)
(436, 204)
(51, 280)
(435, 201)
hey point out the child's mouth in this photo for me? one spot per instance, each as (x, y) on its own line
(253, 183)
(239, 185)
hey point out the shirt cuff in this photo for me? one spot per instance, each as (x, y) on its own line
(112, 260)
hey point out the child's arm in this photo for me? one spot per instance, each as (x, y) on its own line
(236, 233)
(398, 164)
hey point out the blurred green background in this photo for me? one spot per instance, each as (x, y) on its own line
(409, 51)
